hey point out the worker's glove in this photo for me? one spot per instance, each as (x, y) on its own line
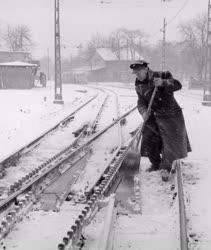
(158, 81)
(145, 116)
(170, 81)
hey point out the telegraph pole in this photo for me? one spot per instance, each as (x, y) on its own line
(58, 79)
(207, 70)
(208, 47)
(164, 45)
(48, 68)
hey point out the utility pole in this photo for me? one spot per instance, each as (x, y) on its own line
(58, 78)
(208, 47)
(164, 45)
(48, 72)
(207, 69)
(163, 63)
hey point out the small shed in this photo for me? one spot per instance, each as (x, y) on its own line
(17, 75)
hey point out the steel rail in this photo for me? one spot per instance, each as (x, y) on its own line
(94, 124)
(16, 186)
(28, 176)
(55, 161)
(94, 194)
(52, 165)
(100, 188)
(26, 182)
(182, 213)
(17, 153)
(7, 223)
(106, 242)
(11, 217)
(119, 135)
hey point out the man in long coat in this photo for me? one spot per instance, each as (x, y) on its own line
(164, 136)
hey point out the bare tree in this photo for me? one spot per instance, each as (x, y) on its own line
(116, 42)
(18, 38)
(131, 40)
(194, 42)
(98, 41)
(134, 41)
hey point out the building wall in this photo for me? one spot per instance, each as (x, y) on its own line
(97, 62)
(114, 71)
(74, 77)
(17, 77)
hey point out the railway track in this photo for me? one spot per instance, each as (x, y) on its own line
(83, 205)
(95, 152)
(12, 158)
(27, 191)
(43, 151)
(107, 182)
(123, 229)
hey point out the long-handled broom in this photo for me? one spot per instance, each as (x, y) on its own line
(131, 165)
(133, 157)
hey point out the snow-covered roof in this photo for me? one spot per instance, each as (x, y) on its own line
(106, 54)
(84, 69)
(18, 64)
(13, 52)
(125, 55)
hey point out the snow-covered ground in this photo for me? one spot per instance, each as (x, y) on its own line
(40, 232)
(27, 113)
(52, 144)
(198, 169)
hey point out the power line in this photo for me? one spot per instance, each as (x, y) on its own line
(178, 12)
(171, 20)
(164, 34)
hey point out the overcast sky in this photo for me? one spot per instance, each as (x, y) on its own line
(80, 19)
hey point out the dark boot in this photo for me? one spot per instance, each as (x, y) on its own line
(164, 174)
(153, 167)
(165, 170)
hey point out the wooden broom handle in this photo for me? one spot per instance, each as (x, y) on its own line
(150, 105)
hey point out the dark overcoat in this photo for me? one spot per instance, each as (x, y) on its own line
(166, 118)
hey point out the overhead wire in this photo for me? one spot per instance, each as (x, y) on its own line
(172, 19)
(135, 2)
(178, 12)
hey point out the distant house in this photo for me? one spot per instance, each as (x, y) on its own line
(104, 66)
(112, 66)
(78, 75)
(17, 75)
